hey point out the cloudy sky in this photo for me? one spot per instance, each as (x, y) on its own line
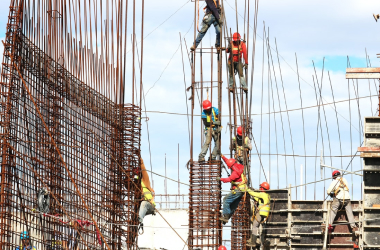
(320, 33)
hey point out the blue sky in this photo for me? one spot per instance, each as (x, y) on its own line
(313, 30)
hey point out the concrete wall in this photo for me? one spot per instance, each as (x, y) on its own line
(158, 234)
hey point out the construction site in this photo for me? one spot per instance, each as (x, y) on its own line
(218, 136)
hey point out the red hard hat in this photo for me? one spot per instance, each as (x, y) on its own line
(236, 37)
(265, 185)
(230, 162)
(240, 131)
(222, 248)
(335, 173)
(206, 104)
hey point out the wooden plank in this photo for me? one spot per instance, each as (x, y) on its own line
(368, 149)
(370, 155)
(363, 76)
(363, 70)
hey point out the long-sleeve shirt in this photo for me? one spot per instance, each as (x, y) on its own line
(212, 8)
(243, 52)
(342, 185)
(237, 170)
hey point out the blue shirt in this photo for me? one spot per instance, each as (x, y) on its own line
(204, 115)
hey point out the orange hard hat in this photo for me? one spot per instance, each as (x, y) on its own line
(222, 248)
(230, 162)
(265, 185)
(240, 131)
(206, 104)
(236, 37)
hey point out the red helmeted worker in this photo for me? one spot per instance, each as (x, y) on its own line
(222, 248)
(241, 147)
(338, 189)
(238, 49)
(212, 130)
(238, 180)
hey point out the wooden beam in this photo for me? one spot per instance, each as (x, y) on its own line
(363, 73)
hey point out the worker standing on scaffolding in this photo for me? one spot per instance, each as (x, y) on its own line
(260, 211)
(212, 130)
(338, 189)
(240, 147)
(212, 16)
(147, 205)
(238, 49)
(238, 180)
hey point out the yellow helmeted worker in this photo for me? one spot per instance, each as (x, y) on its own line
(147, 205)
(260, 211)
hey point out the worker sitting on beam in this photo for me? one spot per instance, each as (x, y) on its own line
(241, 146)
(338, 189)
(212, 130)
(260, 212)
(211, 17)
(238, 180)
(238, 49)
(147, 205)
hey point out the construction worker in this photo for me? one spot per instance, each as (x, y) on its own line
(238, 49)
(237, 145)
(338, 189)
(260, 211)
(25, 242)
(212, 16)
(238, 180)
(147, 205)
(210, 119)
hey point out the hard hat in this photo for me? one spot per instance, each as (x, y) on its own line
(24, 235)
(265, 185)
(236, 37)
(335, 173)
(240, 131)
(222, 248)
(206, 104)
(230, 162)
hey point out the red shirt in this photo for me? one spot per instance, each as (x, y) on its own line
(237, 170)
(235, 51)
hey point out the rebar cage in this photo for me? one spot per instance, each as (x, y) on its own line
(64, 139)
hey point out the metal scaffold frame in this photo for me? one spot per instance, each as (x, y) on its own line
(67, 135)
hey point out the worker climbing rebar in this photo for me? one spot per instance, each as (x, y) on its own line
(148, 205)
(260, 212)
(212, 17)
(338, 189)
(238, 49)
(212, 130)
(238, 180)
(239, 147)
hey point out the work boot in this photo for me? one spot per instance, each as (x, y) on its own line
(243, 84)
(192, 48)
(201, 159)
(330, 228)
(252, 241)
(225, 218)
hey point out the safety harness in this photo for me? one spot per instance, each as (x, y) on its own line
(240, 148)
(209, 117)
(342, 186)
(262, 208)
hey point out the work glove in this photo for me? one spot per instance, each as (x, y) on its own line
(332, 194)
(217, 123)
(245, 66)
(217, 178)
